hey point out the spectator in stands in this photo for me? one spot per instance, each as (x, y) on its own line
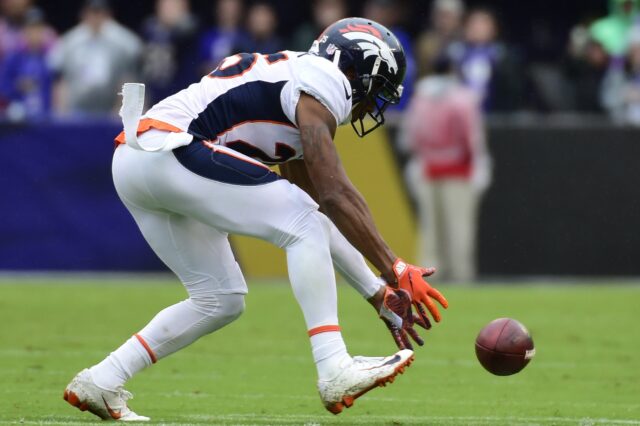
(449, 169)
(25, 78)
(621, 86)
(446, 28)
(486, 65)
(12, 17)
(390, 13)
(219, 41)
(12, 14)
(611, 32)
(92, 61)
(325, 12)
(170, 59)
(262, 23)
(584, 70)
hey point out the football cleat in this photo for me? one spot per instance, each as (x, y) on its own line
(358, 376)
(84, 394)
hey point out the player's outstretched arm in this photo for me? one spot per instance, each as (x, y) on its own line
(393, 306)
(346, 207)
(337, 196)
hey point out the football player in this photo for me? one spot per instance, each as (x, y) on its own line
(194, 169)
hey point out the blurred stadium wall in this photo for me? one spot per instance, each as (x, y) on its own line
(564, 201)
(62, 212)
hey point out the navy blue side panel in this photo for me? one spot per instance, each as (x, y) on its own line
(283, 151)
(253, 101)
(272, 58)
(222, 167)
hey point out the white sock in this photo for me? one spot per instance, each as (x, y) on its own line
(121, 365)
(313, 283)
(329, 352)
(170, 330)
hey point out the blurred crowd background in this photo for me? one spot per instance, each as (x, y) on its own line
(516, 135)
(70, 57)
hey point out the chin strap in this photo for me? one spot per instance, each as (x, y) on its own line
(336, 58)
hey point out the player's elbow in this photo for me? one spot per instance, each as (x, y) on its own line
(335, 200)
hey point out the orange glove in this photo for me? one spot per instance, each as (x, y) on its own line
(410, 278)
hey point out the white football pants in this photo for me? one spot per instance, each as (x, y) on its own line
(186, 218)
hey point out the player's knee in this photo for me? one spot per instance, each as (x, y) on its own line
(311, 228)
(217, 311)
(219, 305)
(324, 221)
(231, 307)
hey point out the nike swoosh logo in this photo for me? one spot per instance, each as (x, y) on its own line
(392, 360)
(346, 92)
(113, 413)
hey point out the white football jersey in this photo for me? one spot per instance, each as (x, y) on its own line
(249, 103)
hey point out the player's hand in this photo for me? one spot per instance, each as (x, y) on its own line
(411, 279)
(395, 311)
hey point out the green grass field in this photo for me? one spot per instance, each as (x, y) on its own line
(259, 370)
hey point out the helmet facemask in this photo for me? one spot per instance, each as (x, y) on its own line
(376, 93)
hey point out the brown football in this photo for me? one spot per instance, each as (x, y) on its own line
(504, 347)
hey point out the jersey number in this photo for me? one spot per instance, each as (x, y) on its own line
(236, 65)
